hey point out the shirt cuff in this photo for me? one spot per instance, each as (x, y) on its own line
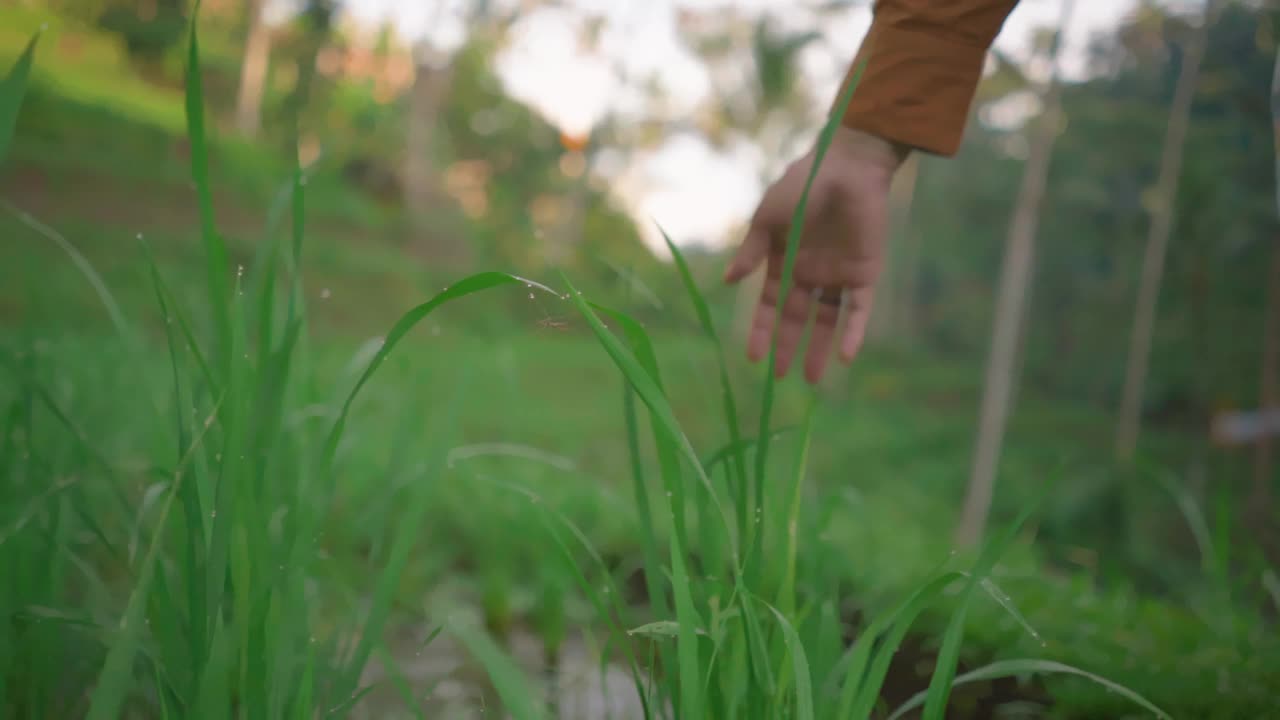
(915, 89)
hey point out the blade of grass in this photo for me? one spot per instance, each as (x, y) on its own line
(173, 311)
(506, 676)
(726, 452)
(866, 672)
(649, 540)
(406, 535)
(1011, 668)
(651, 394)
(633, 368)
(12, 90)
(786, 602)
(113, 683)
(80, 261)
(799, 667)
(215, 249)
(738, 469)
(668, 455)
(194, 548)
(949, 654)
(466, 286)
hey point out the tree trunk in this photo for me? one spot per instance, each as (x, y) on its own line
(891, 300)
(428, 206)
(1010, 305)
(909, 240)
(1263, 477)
(253, 71)
(1263, 471)
(1135, 376)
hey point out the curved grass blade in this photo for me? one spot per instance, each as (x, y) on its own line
(866, 674)
(650, 392)
(12, 90)
(799, 666)
(172, 309)
(1009, 668)
(668, 455)
(467, 286)
(949, 654)
(743, 445)
(635, 368)
(113, 681)
(652, 565)
(80, 261)
(787, 594)
(738, 470)
(506, 676)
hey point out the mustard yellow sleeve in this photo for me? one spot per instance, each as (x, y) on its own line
(923, 60)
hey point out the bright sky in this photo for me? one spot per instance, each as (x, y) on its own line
(696, 193)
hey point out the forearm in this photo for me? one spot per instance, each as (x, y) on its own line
(921, 62)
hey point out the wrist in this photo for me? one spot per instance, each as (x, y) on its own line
(866, 146)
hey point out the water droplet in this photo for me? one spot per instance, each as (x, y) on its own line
(324, 294)
(530, 296)
(528, 285)
(139, 236)
(239, 271)
(213, 514)
(217, 457)
(668, 493)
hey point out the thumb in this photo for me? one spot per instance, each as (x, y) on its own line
(750, 254)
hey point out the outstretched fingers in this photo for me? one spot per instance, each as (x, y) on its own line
(821, 340)
(855, 323)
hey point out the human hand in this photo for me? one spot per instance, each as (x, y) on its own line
(840, 252)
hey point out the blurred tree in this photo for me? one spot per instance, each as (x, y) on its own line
(1269, 385)
(149, 28)
(1164, 196)
(253, 69)
(894, 315)
(1011, 300)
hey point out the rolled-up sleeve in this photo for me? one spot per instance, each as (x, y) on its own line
(923, 60)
